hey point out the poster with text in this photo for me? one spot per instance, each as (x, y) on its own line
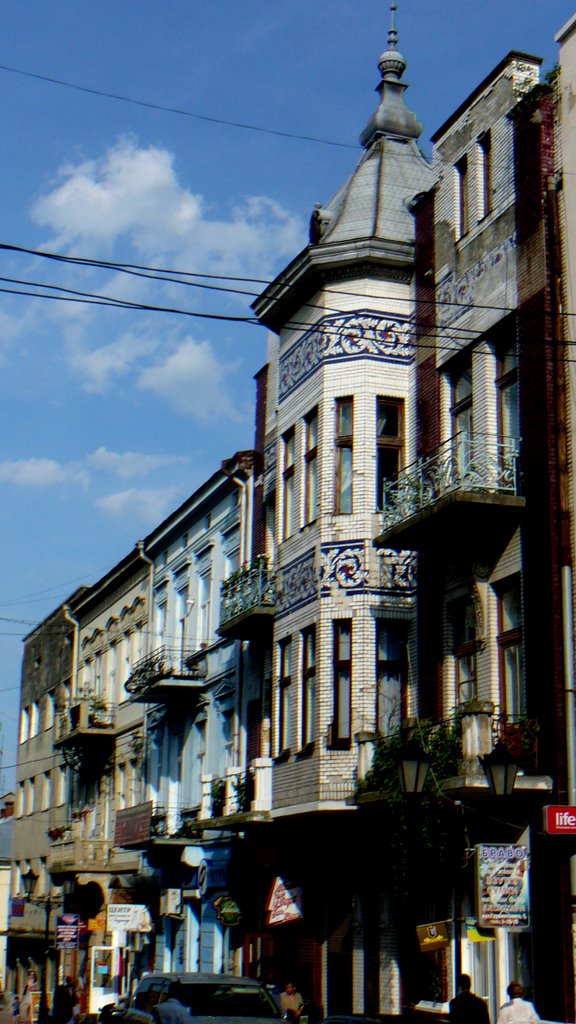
(503, 876)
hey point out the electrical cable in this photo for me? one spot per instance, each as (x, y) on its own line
(181, 112)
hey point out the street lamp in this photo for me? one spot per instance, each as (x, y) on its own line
(29, 880)
(413, 766)
(500, 768)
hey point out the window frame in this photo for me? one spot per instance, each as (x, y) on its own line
(464, 651)
(486, 174)
(387, 443)
(344, 448)
(283, 711)
(288, 483)
(308, 688)
(508, 639)
(392, 667)
(461, 168)
(341, 740)
(311, 467)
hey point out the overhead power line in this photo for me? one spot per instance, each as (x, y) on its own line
(181, 112)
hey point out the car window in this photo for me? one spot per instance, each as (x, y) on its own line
(215, 1000)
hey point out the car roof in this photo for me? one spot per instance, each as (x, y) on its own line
(190, 977)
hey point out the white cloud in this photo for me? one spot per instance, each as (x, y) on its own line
(139, 505)
(101, 365)
(193, 381)
(134, 193)
(38, 473)
(129, 464)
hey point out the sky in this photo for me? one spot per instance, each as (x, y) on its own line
(225, 123)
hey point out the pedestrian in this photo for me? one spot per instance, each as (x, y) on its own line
(62, 1005)
(467, 1008)
(172, 1010)
(518, 1010)
(291, 1002)
(15, 1008)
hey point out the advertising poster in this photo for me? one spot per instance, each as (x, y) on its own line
(503, 886)
(67, 931)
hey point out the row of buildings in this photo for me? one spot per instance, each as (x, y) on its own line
(209, 735)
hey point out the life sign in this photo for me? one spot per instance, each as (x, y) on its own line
(560, 821)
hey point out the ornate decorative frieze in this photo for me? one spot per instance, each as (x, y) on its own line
(270, 460)
(344, 566)
(398, 572)
(348, 336)
(297, 584)
(456, 295)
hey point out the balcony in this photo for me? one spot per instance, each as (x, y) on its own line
(469, 487)
(248, 600)
(71, 854)
(167, 673)
(87, 722)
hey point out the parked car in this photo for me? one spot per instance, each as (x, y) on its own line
(238, 1000)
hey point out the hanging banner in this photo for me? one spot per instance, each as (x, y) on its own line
(503, 886)
(284, 903)
(433, 936)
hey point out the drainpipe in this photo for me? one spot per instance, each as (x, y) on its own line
(244, 556)
(562, 397)
(150, 563)
(76, 648)
(246, 505)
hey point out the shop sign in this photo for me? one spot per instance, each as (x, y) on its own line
(284, 903)
(503, 881)
(133, 825)
(433, 936)
(67, 931)
(128, 917)
(560, 820)
(17, 907)
(227, 910)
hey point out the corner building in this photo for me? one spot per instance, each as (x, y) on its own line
(335, 414)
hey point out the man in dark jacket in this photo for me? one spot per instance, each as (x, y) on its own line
(171, 1011)
(466, 1008)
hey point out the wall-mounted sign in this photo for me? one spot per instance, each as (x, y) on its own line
(228, 910)
(560, 820)
(433, 936)
(503, 880)
(133, 825)
(67, 931)
(128, 917)
(284, 903)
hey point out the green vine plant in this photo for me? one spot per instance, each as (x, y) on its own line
(422, 828)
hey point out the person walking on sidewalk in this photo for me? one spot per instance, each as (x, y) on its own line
(466, 1008)
(518, 1010)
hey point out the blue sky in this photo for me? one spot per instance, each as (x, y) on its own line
(110, 417)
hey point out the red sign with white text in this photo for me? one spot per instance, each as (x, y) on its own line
(560, 821)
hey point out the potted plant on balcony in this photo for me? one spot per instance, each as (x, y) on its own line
(218, 796)
(98, 714)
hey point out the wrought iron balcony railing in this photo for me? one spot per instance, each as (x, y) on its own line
(484, 464)
(167, 663)
(251, 589)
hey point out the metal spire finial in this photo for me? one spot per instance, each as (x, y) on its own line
(393, 33)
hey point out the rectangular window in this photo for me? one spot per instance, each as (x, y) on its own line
(289, 469)
(342, 658)
(308, 686)
(204, 605)
(161, 619)
(507, 384)
(311, 461)
(344, 453)
(284, 695)
(49, 702)
(34, 719)
(389, 444)
(512, 689)
(462, 201)
(24, 725)
(46, 796)
(485, 174)
(464, 649)
(391, 674)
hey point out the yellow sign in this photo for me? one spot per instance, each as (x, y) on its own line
(433, 936)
